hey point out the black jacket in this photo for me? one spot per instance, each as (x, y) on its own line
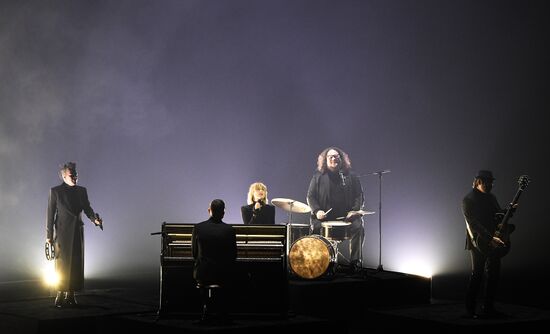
(265, 215)
(479, 210)
(214, 248)
(319, 192)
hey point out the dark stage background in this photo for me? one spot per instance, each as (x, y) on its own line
(165, 105)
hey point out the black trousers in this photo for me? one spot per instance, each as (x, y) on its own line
(486, 274)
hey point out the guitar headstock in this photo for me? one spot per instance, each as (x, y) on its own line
(523, 181)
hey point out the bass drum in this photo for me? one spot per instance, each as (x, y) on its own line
(312, 256)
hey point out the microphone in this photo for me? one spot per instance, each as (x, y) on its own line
(98, 218)
(342, 177)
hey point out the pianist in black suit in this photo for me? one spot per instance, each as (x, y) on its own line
(258, 211)
(214, 247)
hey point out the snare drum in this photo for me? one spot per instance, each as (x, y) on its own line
(312, 256)
(336, 230)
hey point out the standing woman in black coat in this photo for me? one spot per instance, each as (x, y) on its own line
(66, 231)
(258, 211)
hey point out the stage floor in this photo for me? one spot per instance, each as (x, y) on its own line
(373, 301)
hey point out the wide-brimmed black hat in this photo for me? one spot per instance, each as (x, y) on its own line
(485, 174)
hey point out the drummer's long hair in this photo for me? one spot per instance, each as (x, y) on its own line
(322, 160)
(254, 186)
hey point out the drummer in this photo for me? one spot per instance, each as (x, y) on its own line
(335, 194)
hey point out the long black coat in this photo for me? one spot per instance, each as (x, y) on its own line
(65, 228)
(214, 248)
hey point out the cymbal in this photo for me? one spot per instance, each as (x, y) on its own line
(359, 212)
(363, 212)
(291, 205)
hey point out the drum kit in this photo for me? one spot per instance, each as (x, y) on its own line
(312, 256)
(294, 230)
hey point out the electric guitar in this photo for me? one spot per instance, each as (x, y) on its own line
(503, 230)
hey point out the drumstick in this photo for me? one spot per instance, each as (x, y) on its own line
(344, 217)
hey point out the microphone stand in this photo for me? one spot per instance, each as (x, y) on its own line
(379, 173)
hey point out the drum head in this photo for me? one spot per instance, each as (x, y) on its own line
(335, 224)
(310, 257)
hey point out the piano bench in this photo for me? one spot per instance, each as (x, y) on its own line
(211, 303)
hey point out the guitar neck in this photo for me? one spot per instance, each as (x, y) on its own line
(508, 214)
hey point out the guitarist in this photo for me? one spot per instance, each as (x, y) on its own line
(482, 211)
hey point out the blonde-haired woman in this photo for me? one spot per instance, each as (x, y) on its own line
(258, 211)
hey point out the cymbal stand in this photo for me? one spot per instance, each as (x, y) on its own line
(289, 230)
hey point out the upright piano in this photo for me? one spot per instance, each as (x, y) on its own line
(262, 276)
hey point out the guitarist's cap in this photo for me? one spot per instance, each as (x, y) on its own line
(485, 174)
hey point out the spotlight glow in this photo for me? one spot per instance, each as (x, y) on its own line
(419, 268)
(49, 276)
